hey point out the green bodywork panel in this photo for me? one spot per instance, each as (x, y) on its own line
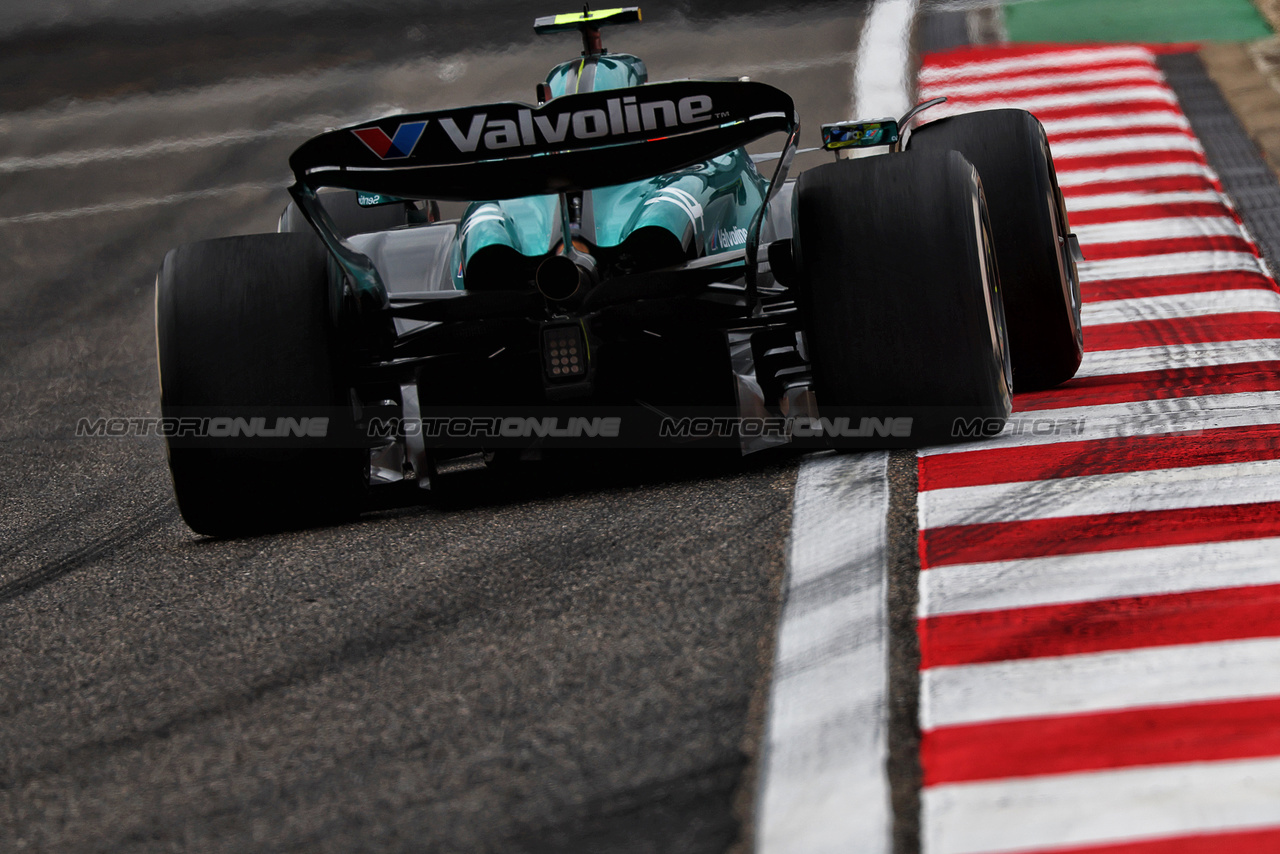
(709, 205)
(527, 225)
(612, 71)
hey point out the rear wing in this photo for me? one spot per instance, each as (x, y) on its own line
(509, 150)
(575, 142)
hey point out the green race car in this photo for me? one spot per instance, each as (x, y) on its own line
(621, 274)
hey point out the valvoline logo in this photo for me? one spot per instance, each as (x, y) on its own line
(395, 147)
(726, 237)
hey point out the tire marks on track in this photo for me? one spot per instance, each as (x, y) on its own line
(126, 535)
(353, 652)
(466, 612)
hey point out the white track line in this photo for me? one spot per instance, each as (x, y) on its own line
(1098, 807)
(1142, 417)
(1124, 121)
(824, 786)
(1036, 103)
(1108, 201)
(1150, 142)
(65, 159)
(1140, 57)
(824, 783)
(140, 204)
(1158, 229)
(1105, 363)
(1176, 263)
(1070, 178)
(234, 94)
(1099, 682)
(1031, 82)
(1179, 305)
(881, 85)
(1060, 579)
(1253, 482)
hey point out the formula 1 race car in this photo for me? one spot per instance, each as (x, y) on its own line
(621, 275)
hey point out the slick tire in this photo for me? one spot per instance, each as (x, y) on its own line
(346, 213)
(243, 329)
(1029, 224)
(900, 300)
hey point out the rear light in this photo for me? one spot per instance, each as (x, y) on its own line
(564, 352)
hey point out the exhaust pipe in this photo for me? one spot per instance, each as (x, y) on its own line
(559, 277)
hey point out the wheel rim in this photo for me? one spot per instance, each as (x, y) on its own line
(1069, 265)
(991, 278)
(1058, 210)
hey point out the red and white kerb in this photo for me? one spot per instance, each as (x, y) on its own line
(1100, 585)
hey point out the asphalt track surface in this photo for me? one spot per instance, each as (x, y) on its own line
(568, 657)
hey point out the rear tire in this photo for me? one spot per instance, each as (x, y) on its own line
(1037, 271)
(899, 294)
(243, 326)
